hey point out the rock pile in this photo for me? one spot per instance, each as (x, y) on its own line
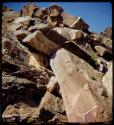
(54, 69)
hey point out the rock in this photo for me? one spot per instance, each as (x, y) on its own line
(107, 80)
(74, 88)
(71, 34)
(42, 13)
(74, 22)
(54, 16)
(29, 10)
(21, 34)
(15, 26)
(52, 84)
(101, 50)
(51, 108)
(16, 50)
(42, 27)
(40, 42)
(108, 32)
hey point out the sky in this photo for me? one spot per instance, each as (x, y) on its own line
(98, 15)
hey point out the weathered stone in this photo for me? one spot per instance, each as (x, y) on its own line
(43, 27)
(29, 10)
(54, 16)
(15, 26)
(108, 32)
(101, 50)
(41, 13)
(74, 22)
(40, 42)
(107, 80)
(74, 88)
(21, 34)
(71, 34)
(6, 9)
(16, 50)
(51, 104)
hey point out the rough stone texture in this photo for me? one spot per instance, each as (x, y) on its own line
(30, 90)
(74, 22)
(40, 42)
(107, 80)
(42, 13)
(29, 9)
(21, 34)
(108, 32)
(101, 50)
(51, 108)
(13, 48)
(54, 16)
(78, 108)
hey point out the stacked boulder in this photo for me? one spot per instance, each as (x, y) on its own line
(63, 70)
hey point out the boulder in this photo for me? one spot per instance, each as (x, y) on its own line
(41, 26)
(75, 87)
(40, 42)
(51, 108)
(107, 80)
(74, 22)
(42, 13)
(101, 50)
(29, 10)
(108, 32)
(54, 16)
(18, 51)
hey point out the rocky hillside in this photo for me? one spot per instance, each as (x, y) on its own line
(54, 69)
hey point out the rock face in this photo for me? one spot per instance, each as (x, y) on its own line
(107, 80)
(78, 108)
(53, 69)
(74, 22)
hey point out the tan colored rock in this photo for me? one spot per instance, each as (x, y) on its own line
(43, 27)
(107, 80)
(71, 34)
(101, 50)
(15, 26)
(40, 42)
(29, 10)
(42, 13)
(74, 22)
(75, 87)
(21, 52)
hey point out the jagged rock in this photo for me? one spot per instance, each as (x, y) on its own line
(41, 13)
(108, 32)
(74, 22)
(51, 108)
(23, 20)
(16, 50)
(41, 26)
(101, 50)
(71, 34)
(107, 43)
(29, 10)
(40, 42)
(21, 34)
(78, 108)
(52, 84)
(15, 26)
(54, 16)
(107, 80)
